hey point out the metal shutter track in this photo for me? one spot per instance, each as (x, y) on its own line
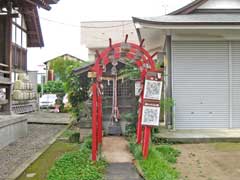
(236, 84)
(200, 84)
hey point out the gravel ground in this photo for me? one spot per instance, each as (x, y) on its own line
(212, 161)
(18, 152)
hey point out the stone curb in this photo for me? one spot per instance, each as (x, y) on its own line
(31, 160)
(138, 168)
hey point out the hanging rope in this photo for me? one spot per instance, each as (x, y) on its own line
(115, 116)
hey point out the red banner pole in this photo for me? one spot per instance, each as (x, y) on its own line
(94, 122)
(145, 146)
(139, 123)
(140, 109)
(99, 119)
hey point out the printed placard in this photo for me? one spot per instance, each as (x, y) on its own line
(150, 116)
(138, 88)
(152, 90)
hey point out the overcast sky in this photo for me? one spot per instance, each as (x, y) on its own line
(61, 25)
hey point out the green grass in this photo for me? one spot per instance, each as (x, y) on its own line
(170, 154)
(78, 166)
(159, 164)
(47, 159)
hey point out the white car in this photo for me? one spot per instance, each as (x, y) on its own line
(47, 100)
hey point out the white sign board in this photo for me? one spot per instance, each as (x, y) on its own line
(152, 90)
(150, 116)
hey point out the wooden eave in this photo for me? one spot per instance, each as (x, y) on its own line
(40, 3)
(34, 32)
(28, 8)
(189, 8)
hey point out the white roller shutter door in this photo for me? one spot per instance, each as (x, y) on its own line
(201, 84)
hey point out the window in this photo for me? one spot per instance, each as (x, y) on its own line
(2, 40)
(18, 36)
(19, 40)
(24, 39)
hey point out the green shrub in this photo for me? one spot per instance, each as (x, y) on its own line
(130, 128)
(75, 137)
(87, 143)
(39, 88)
(68, 132)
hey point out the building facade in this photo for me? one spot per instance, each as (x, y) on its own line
(19, 29)
(202, 44)
(95, 34)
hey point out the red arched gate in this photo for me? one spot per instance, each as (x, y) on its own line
(137, 55)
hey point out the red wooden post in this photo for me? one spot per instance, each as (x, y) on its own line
(139, 123)
(94, 122)
(99, 119)
(147, 134)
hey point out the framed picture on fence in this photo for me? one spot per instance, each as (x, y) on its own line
(150, 116)
(152, 90)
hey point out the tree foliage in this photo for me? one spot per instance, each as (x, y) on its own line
(77, 88)
(130, 71)
(60, 65)
(53, 87)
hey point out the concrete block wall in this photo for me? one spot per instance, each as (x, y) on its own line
(12, 127)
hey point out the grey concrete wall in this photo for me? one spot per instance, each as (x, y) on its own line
(12, 128)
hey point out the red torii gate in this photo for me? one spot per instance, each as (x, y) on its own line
(137, 55)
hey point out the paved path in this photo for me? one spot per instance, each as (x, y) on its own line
(42, 117)
(200, 136)
(116, 152)
(122, 171)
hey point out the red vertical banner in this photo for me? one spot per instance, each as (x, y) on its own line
(147, 134)
(94, 121)
(99, 118)
(139, 123)
(140, 109)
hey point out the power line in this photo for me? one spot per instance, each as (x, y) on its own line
(81, 26)
(61, 23)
